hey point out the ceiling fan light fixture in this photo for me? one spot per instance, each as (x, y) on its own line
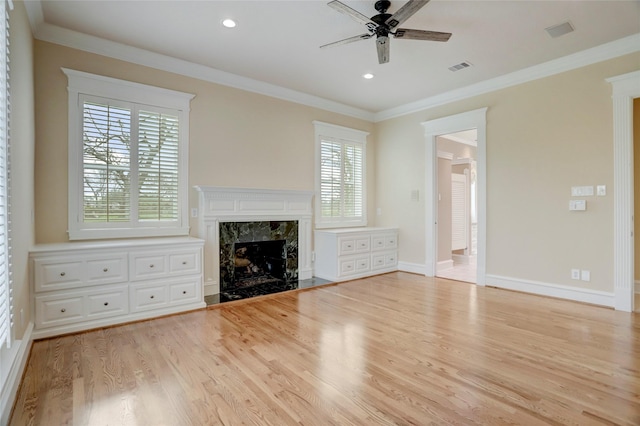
(229, 23)
(367, 76)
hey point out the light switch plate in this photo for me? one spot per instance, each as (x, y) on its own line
(578, 205)
(581, 191)
(601, 190)
(585, 275)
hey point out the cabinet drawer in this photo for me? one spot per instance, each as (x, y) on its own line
(148, 297)
(52, 311)
(108, 303)
(385, 241)
(363, 244)
(353, 245)
(391, 242)
(390, 260)
(362, 264)
(107, 270)
(184, 262)
(377, 261)
(354, 265)
(184, 292)
(347, 266)
(378, 242)
(52, 274)
(147, 266)
(347, 246)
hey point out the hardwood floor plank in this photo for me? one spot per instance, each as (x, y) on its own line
(395, 349)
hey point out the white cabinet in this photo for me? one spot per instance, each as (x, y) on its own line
(344, 254)
(78, 286)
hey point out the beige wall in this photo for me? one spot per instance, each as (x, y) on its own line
(22, 168)
(237, 138)
(542, 138)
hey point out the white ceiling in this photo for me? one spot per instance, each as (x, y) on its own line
(277, 42)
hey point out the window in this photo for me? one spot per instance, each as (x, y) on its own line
(127, 158)
(6, 296)
(340, 176)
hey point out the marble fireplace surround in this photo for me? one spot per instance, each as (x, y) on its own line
(224, 204)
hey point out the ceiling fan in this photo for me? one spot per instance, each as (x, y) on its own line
(383, 24)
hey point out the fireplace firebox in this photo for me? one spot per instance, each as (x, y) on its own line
(259, 262)
(257, 258)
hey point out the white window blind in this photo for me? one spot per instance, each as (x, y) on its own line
(129, 174)
(340, 181)
(131, 177)
(6, 295)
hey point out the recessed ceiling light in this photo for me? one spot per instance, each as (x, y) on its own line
(229, 23)
(368, 76)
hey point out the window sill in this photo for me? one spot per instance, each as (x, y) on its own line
(109, 233)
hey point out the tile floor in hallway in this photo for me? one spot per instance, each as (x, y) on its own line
(461, 271)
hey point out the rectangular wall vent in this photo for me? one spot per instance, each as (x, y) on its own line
(560, 29)
(460, 66)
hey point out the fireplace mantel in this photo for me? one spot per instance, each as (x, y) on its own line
(223, 204)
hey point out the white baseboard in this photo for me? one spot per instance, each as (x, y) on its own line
(460, 258)
(554, 290)
(414, 268)
(18, 364)
(443, 265)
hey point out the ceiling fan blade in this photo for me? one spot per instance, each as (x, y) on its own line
(405, 12)
(348, 40)
(421, 35)
(382, 44)
(354, 14)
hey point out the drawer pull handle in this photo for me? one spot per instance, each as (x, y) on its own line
(151, 266)
(152, 296)
(105, 270)
(63, 310)
(106, 303)
(184, 292)
(184, 263)
(62, 274)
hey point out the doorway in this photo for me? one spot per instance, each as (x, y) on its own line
(457, 220)
(475, 119)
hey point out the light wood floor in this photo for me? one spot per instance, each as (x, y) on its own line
(394, 349)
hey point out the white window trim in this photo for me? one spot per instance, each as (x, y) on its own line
(346, 134)
(82, 83)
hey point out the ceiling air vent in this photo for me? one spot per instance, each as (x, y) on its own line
(560, 29)
(460, 66)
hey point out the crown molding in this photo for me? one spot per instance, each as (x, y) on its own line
(594, 55)
(53, 34)
(64, 37)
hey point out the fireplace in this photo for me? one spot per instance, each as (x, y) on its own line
(257, 258)
(229, 216)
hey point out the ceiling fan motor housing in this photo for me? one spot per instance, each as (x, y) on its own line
(382, 5)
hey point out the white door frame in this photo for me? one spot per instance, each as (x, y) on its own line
(476, 119)
(625, 88)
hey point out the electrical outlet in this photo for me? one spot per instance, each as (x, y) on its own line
(575, 274)
(194, 212)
